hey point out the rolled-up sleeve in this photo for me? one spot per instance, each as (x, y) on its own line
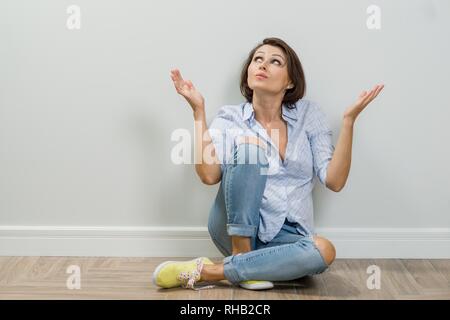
(320, 138)
(220, 131)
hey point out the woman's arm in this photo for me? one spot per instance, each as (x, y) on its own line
(207, 165)
(339, 166)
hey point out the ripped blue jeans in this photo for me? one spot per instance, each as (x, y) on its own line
(235, 212)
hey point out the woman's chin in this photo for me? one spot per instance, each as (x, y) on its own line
(263, 90)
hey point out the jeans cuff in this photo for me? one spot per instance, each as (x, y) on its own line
(242, 230)
(229, 271)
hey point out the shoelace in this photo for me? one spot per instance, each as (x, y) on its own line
(188, 279)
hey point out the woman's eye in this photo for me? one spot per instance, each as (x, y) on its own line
(256, 59)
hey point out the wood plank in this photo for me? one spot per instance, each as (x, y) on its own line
(397, 278)
(311, 288)
(427, 278)
(442, 266)
(333, 283)
(357, 274)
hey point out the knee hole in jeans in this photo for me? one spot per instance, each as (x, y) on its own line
(250, 153)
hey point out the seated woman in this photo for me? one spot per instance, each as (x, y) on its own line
(266, 152)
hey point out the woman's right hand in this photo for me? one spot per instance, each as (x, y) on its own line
(188, 91)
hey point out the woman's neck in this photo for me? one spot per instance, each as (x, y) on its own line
(267, 108)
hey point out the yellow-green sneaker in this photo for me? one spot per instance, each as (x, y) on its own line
(256, 284)
(172, 274)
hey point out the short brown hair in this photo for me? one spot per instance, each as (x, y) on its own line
(294, 67)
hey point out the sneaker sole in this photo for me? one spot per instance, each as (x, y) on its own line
(259, 286)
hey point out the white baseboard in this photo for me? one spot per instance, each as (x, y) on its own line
(403, 243)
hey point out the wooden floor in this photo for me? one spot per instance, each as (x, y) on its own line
(130, 278)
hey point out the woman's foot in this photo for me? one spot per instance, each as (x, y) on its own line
(184, 274)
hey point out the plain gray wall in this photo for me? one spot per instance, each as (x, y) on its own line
(86, 115)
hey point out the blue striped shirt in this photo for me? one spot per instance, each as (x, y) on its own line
(288, 191)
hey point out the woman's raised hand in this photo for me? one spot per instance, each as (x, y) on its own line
(187, 90)
(363, 100)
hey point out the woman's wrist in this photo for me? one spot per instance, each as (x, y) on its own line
(349, 121)
(199, 113)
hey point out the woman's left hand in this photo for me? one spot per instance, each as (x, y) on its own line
(363, 100)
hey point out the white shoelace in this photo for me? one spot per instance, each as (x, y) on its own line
(188, 279)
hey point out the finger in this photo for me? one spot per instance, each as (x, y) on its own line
(177, 79)
(176, 83)
(177, 75)
(381, 86)
(365, 100)
(173, 73)
(176, 87)
(173, 80)
(372, 92)
(363, 94)
(375, 92)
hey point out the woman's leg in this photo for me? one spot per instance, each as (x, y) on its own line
(234, 217)
(236, 213)
(287, 257)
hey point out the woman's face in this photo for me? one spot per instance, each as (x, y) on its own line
(269, 61)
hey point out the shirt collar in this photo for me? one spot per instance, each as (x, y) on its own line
(288, 114)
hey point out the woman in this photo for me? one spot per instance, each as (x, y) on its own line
(262, 217)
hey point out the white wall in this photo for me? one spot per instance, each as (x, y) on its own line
(86, 118)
